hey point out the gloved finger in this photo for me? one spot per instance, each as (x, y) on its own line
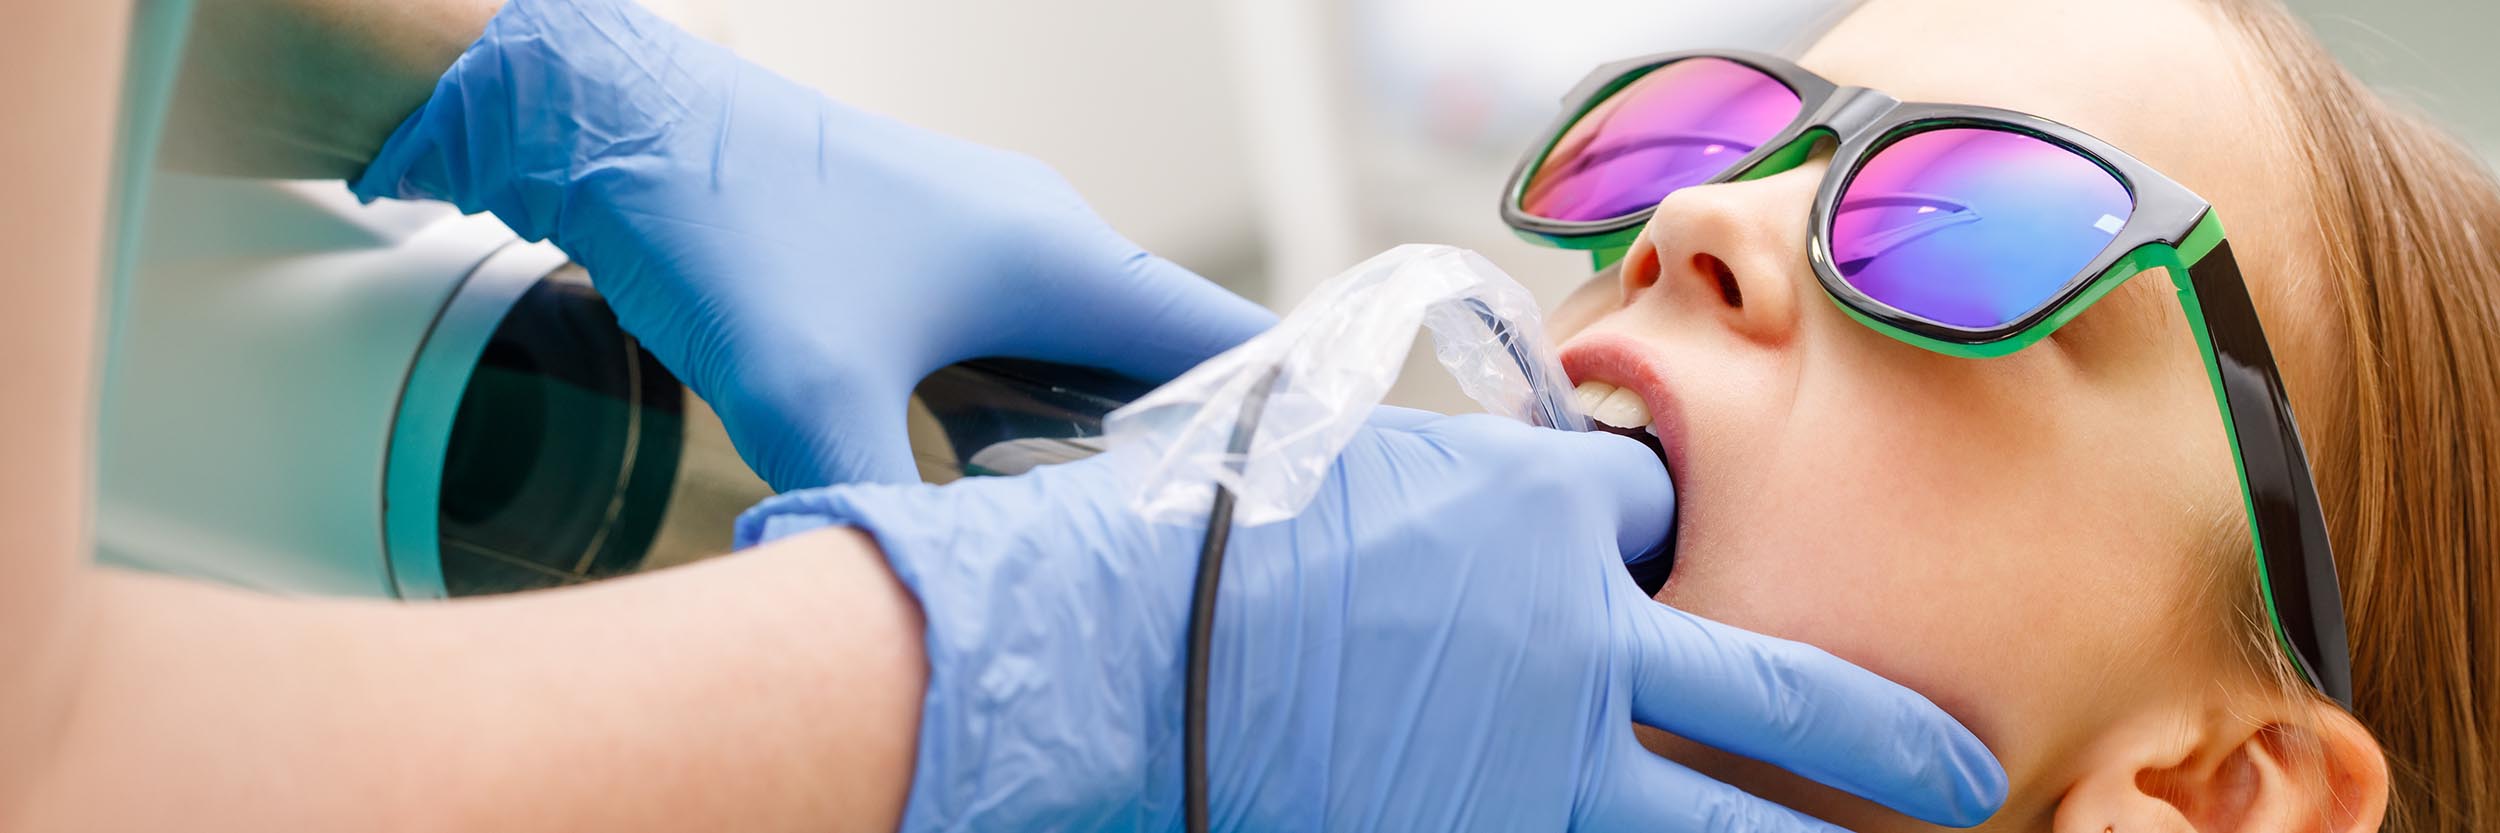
(1156, 323)
(869, 442)
(1797, 707)
(1643, 792)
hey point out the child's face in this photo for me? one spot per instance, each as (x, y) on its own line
(2023, 539)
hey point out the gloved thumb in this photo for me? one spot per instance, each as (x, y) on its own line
(1627, 471)
(1617, 477)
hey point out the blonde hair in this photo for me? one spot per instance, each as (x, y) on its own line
(2409, 222)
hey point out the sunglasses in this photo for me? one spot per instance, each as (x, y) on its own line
(1968, 231)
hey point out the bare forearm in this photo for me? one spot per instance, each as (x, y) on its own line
(777, 690)
(55, 157)
(309, 88)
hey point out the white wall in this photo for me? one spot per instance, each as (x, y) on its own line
(2440, 55)
(1131, 99)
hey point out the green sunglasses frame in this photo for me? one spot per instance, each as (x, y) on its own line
(2171, 229)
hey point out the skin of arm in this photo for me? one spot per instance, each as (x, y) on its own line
(776, 690)
(56, 156)
(308, 89)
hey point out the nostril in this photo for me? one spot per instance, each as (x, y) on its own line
(1640, 268)
(1717, 269)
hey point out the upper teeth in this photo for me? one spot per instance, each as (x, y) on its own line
(1619, 407)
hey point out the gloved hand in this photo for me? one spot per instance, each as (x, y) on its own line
(1445, 639)
(800, 264)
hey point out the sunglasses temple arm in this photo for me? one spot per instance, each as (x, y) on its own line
(2284, 513)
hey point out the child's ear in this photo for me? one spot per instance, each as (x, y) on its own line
(2308, 767)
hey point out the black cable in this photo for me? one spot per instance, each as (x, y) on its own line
(1202, 608)
(1211, 562)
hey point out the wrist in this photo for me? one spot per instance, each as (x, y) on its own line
(1054, 623)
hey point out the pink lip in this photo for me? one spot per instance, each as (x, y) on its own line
(1622, 361)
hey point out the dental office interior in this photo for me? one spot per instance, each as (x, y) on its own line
(401, 401)
(441, 391)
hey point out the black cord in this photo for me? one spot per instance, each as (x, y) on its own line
(1202, 608)
(1211, 563)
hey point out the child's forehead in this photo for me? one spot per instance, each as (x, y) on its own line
(2153, 77)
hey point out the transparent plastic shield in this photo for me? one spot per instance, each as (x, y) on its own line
(1336, 355)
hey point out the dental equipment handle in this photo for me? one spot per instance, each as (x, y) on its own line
(1005, 416)
(1554, 409)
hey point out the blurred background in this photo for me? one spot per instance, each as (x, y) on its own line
(1268, 144)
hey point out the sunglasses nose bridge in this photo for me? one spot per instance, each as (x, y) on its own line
(1852, 111)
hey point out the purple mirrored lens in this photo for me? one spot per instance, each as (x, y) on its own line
(1678, 125)
(1973, 227)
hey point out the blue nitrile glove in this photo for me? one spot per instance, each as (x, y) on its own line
(800, 264)
(1445, 639)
